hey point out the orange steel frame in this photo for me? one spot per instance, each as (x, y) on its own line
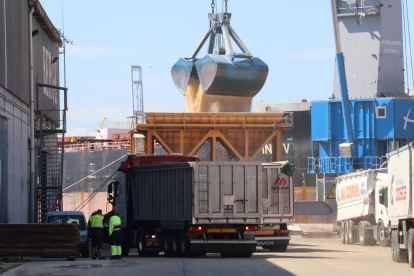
(243, 135)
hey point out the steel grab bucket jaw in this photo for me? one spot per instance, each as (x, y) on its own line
(181, 72)
(227, 76)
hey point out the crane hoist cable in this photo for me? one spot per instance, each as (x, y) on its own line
(409, 44)
(405, 43)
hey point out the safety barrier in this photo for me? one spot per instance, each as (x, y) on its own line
(95, 146)
(345, 164)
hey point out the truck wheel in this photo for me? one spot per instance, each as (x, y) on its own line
(184, 244)
(362, 234)
(142, 251)
(175, 242)
(400, 254)
(278, 248)
(342, 231)
(225, 255)
(393, 251)
(381, 236)
(246, 255)
(352, 232)
(411, 248)
(346, 232)
(200, 254)
(126, 241)
(166, 243)
(372, 242)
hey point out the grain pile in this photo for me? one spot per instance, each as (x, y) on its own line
(198, 101)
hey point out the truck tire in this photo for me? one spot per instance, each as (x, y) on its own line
(346, 232)
(126, 241)
(411, 248)
(175, 243)
(363, 239)
(393, 251)
(342, 231)
(184, 244)
(166, 243)
(246, 255)
(372, 242)
(142, 251)
(200, 254)
(401, 255)
(225, 255)
(278, 248)
(352, 232)
(381, 236)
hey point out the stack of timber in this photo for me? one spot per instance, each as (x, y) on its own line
(46, 240)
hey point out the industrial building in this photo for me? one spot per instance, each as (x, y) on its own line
(31, 117)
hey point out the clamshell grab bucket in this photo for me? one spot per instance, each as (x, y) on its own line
(218, 77)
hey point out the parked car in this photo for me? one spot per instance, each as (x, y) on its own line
(73, 217)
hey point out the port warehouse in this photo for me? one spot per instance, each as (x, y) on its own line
(17, 191)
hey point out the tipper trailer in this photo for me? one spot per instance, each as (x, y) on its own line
(362, 214)
(278, 206)
(188, 208)
(400, 200)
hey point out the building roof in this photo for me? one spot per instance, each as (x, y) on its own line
(44, 22)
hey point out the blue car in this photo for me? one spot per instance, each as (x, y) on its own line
(73, 217)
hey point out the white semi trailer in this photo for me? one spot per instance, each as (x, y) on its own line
(362, 207)
(400, 209)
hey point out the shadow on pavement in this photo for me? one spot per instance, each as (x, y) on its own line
(281, 256)
(298, 244)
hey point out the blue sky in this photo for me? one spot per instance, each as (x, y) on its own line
(294, 38)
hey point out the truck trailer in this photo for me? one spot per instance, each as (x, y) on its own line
(400, 201)
(278, 206)
(184, 207)
(362, 214)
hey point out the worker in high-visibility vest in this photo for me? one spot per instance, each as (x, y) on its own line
(97, 234)
(116, 236)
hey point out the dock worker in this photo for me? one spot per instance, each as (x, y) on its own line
(116, 236)
(97, 234)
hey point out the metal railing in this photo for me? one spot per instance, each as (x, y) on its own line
(95, 146)
(118, 125)
(345, 164)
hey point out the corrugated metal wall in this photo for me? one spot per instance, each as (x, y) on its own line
(44, 50)
(17, 48)
(3, 170)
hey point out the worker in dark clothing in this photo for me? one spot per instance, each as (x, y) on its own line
(97, 234)
(116, 236)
